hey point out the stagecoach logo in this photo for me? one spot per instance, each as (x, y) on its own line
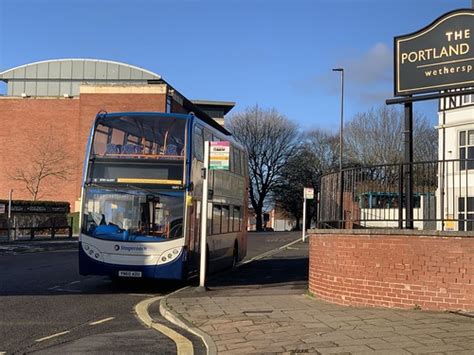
(438, 57)
(129, 248)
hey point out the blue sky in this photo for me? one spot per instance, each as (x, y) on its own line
(277, 53)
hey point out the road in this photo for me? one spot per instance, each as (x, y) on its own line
(47, 307)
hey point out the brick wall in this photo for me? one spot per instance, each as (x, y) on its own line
(25, 122)
(370, 268)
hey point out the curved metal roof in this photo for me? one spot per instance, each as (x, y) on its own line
(63, 76)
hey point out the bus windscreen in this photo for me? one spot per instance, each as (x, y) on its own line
(132, 215)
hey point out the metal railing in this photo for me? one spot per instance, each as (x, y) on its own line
(442, 196)
(49, 230)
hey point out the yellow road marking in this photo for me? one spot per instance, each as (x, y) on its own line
(183, 344)
(52, 336)
(101, 321)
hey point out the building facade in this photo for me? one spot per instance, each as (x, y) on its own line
(456, 177)
(52, 104)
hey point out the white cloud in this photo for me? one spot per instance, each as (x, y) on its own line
(367, 77)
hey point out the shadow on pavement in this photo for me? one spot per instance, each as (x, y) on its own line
(291, 271)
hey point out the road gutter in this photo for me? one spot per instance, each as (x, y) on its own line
(183, 345)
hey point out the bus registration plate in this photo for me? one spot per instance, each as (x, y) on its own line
(130, 273)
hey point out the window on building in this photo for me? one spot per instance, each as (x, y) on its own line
(466, 149)
(466, 213)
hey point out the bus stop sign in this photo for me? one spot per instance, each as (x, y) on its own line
(219, 153)
(308, 193)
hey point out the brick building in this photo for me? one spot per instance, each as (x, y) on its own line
(57, 100)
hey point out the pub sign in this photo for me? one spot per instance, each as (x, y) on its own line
(437, 57)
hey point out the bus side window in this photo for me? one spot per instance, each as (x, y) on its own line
(198, 143)
(237, 162)
(243, 163)
(216, 219)
(207, 135)
(225, 219)
(237, 219)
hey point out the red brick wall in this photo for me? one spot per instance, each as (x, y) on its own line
(396, 271)
(24, 122)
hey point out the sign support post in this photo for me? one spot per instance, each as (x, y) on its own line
(308, 194)
(304, 218)
(216, 157)
(409, 164)
(205, 191)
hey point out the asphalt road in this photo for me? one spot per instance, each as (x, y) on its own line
(42, 295)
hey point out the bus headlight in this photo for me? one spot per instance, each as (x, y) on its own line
(169, 255)
(92, 251)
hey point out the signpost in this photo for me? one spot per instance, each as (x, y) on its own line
(436, 58)
(216, 157)
(308, 194)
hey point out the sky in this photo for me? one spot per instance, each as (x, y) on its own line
(274, 53)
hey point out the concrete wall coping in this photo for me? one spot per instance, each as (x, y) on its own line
(392, 232)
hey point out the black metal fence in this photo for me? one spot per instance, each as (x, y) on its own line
(441, 198)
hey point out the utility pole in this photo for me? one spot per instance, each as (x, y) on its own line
(341, 144)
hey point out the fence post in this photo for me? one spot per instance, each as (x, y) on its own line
(53, 230)
(15, 231)
(400, 196)
(71, 224)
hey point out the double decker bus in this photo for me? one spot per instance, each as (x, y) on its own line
(141, 198)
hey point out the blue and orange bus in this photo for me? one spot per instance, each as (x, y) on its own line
(141, 197)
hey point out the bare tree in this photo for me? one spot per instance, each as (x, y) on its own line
(49, 161)
(376, 137)
(270, 139)
(302, 170)
(325, 148)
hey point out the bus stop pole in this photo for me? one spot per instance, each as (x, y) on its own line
(205, 189)
(304, 216)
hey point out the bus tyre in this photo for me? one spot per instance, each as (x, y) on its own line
(208, 272)
(235, 256)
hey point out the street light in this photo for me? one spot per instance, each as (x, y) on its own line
(341, 70)
(341, 177)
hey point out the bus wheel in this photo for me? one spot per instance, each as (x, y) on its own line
(235, 255)
(208, 263)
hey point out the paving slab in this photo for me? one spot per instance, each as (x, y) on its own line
(263, 307)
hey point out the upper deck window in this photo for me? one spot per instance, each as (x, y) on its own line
(147, 136)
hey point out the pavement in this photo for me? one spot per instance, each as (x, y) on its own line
(263, 307)
(38, 245)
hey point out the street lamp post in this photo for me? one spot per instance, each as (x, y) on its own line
(341, 145)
